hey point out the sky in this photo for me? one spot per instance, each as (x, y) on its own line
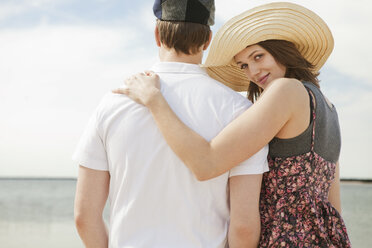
(59, 57)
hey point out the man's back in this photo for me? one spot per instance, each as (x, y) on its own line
(155, 201)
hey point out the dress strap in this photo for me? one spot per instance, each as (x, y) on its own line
(313, 116)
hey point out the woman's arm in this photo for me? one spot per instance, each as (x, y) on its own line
(334, 191)
(242, 138)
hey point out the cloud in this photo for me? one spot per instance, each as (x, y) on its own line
(9, 9)
(45, 55)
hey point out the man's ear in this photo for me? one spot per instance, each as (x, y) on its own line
(206, 45)
(157, 36)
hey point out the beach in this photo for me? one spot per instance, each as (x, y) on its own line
(39, 213)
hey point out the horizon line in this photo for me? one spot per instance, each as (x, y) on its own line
(362, 180)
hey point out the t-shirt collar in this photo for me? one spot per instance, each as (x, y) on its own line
(177, 67)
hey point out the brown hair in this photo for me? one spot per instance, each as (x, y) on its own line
(286, 53)
(184, 37)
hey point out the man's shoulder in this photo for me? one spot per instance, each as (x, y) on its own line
(109, 100)
(207, 85)
(111, 103)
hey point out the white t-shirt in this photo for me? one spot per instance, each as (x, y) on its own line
(155, 201)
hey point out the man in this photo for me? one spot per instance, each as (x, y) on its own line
(155, 201)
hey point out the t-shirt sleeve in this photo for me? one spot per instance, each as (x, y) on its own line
(257, 164)
(90, 151)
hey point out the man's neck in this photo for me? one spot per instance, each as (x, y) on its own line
(170, 55)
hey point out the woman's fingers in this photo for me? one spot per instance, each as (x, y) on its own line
(128, 92)
(140, 87)
(149, 73)
(124, 91)
(131, 80)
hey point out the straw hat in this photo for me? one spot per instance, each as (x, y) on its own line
(280, 21)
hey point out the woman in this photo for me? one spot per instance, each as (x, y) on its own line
(277, 50)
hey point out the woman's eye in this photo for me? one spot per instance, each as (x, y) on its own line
(258, 56)
(244, 66)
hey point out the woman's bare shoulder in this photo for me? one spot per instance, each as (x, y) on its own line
(286, 84)
(288, 88)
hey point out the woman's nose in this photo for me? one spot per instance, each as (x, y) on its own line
(252, 71)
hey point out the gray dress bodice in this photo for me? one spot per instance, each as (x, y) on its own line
(327, 140)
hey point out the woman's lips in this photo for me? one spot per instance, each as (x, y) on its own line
(263, 79)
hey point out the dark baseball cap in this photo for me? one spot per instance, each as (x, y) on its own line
(196, 11)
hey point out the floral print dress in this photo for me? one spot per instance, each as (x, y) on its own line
(294, 206)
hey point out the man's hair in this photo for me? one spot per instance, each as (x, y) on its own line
(286, 53)
(183, 37)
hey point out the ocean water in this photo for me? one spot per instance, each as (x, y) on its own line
(39, 213)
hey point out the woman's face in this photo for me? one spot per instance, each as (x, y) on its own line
(259, 65)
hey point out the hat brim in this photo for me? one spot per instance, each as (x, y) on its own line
(279, 21)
